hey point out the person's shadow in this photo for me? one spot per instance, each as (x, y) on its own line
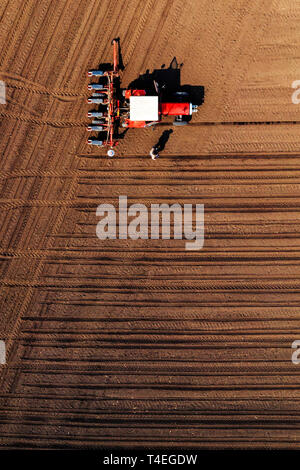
(163, 140)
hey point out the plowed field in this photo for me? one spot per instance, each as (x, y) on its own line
(123, 342)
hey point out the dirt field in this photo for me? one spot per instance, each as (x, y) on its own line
(122, 343)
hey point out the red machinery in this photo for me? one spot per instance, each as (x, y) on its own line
(146, 110)
(132, 108)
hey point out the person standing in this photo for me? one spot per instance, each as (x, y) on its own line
(160, 145)
(154, 153)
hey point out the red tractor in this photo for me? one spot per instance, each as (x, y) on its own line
(146, 110)
(132, 108)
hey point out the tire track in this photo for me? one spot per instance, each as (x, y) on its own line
(38, 88)
(52, 123)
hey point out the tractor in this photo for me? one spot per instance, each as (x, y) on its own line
(131, 108)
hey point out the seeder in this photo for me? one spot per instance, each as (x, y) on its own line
(130, 108)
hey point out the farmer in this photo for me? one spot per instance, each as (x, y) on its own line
(154, 153)
(160, 145)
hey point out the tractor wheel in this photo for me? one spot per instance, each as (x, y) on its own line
(181, 96)
(110, 153)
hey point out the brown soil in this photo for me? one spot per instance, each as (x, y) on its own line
(141, 342)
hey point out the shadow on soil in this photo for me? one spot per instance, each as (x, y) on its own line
(161, 143)
(169, 81)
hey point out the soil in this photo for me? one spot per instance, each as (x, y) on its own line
(132, 343)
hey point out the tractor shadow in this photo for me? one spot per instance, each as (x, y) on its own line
(169, 81)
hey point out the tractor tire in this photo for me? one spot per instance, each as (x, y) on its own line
(181, 96)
